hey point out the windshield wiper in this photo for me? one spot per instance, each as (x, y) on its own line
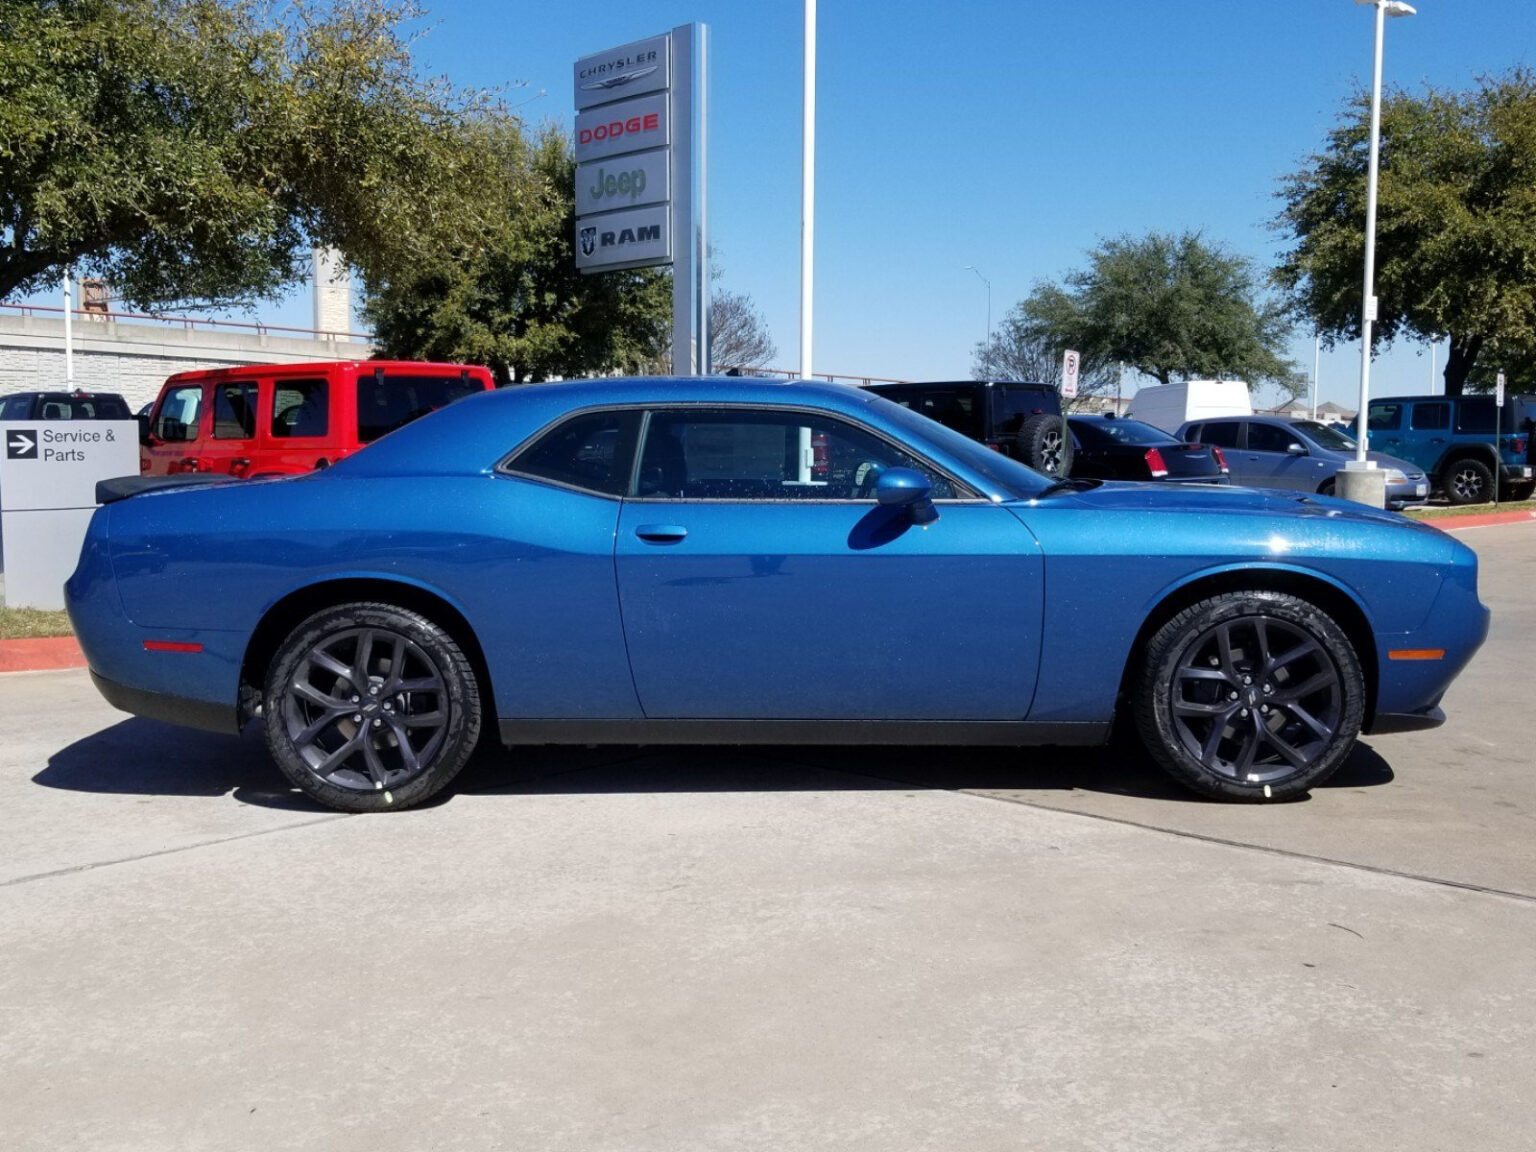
(1071, 484)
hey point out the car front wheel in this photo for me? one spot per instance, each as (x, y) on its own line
(370, 707)
(1250, 696)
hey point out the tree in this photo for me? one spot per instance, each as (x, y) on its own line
(1167, 306)
(738, 335)
(192, 151)
(514, 300)
(1017, 352)
(1456, 225)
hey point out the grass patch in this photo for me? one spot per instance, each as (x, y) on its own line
(1444, 511)
(29, 623)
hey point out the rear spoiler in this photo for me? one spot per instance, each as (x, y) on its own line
(122, 487)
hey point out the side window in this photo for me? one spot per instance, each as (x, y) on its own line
(1430, 417)
(1475, 414)
(179, 413)
(738, 454)
(1269, 438)
(1384, 417)
(591, 451)
(234, 410)
(300, 408)
(14, 408)
(1193, 434)
(953, 409)
(1222, 433)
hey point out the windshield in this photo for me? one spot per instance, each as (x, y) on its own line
(1324, 435)
(1103, 433)
(1008, 476)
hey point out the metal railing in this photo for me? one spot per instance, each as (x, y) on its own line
(188, 323)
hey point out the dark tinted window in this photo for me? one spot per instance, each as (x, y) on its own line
(392, 400)
(1431, 417)
(234, 410)
(1103, 433)
(300, 408)
(15, 408)
(1222, 433)
(725, 454)
(591, 451)
(1384, 417)
(1475, 414)
(1011, 407)
(952, 407)
(73, 406)
(179, 413)
(1269, 438)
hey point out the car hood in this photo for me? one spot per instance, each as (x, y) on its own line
(1197, 499)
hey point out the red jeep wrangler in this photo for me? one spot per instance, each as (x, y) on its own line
(277, 419)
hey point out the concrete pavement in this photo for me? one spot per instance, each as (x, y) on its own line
(721, 949)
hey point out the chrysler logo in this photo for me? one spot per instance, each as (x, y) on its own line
(616, 81)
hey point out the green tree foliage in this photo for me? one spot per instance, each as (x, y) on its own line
(514, 300)
(1456, 225)
(1170, 307)
(191, 151)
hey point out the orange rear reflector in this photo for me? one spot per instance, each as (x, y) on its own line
(1416, 654)
(171, 646)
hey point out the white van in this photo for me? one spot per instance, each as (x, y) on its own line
(1168, 406)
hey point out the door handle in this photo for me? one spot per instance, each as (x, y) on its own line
(239, 465)
(661, 533)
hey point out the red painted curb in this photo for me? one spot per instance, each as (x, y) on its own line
(1482, 520)
(40, 655)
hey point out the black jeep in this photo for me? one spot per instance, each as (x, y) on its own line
(1018, 418)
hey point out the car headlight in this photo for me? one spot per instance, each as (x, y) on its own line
(1396, 476)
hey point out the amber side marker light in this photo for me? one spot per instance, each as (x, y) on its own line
(171, 646)
(1416, 654)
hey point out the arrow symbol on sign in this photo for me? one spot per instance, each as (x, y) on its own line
(19, 445)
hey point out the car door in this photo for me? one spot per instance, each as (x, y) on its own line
(231, 443)
(1268, 454)
(1227, 435)
(759, 579)
(177, 433)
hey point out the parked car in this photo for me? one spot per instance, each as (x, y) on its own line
(745, 561)
(1302, 455)
(64, 406)
(1452, 438)
(1018, 418)
(1114, 448)
(1171, 406)
(280, 419)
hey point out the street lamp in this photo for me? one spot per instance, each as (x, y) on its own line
(988, 283)
(1358, 480)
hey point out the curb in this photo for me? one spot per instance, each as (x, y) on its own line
(1482, 520)
(42, 654)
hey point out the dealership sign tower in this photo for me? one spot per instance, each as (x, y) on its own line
(640, 185)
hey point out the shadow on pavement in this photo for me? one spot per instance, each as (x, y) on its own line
(144, 757)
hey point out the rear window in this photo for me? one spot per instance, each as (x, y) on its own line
(391, 400)
(64, 406)
(1103, 433)
(1011, 407)
(951, 407)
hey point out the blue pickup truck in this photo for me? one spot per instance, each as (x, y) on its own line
(1462, 442)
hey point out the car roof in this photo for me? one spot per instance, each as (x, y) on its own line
(319, 367)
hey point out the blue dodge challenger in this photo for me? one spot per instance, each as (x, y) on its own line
(745, 561)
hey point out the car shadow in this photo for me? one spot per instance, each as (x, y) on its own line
(145, 757)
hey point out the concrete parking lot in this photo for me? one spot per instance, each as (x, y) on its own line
(638, 949)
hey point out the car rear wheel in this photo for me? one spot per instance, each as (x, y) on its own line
(1250, 696)
(1044, 446)
(369, 707)
(1469, 482)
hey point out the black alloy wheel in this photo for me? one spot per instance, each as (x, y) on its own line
(1251, 696)
(1469, 482)
(370, 706)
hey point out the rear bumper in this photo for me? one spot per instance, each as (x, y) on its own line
(171, 709)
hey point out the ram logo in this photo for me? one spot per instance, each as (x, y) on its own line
(588, 241)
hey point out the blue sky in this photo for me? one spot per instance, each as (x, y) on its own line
(1008, 135)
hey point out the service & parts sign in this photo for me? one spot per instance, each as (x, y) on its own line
(56, 463)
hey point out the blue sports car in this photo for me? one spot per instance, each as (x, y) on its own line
(746, 561)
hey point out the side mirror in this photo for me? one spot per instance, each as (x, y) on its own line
(902, 487)
(1295, 449)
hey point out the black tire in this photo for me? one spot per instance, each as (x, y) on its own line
(1468, 481)
(1519, 490)
(1328, 488)
(416, 719)
(1250, 696)
(1043, 445)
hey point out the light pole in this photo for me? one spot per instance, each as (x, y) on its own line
(808, 189)
(988, 283)
(1359, 480)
